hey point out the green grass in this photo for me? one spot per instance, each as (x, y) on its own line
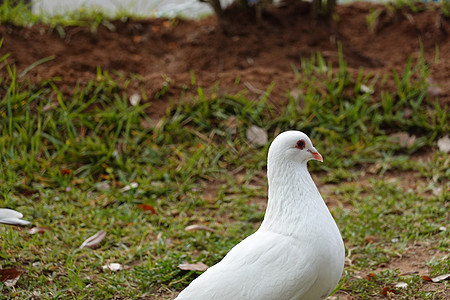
(65, 159)
(20, 14)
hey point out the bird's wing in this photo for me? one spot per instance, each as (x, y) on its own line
(11, 217)
(265, 265)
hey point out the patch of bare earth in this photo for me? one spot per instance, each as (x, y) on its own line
(249, 57)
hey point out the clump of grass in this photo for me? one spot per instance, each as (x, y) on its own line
(19, 13)
(341, 110)
(16, 13)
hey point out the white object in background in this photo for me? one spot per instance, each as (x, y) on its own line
(149, 8)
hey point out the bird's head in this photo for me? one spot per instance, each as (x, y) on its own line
(295, 146)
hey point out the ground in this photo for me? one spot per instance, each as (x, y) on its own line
(250, 58)
(73, 144)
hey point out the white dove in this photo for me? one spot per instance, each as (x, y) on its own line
(11, 217)
(297, 252)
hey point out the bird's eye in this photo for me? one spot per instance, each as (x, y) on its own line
(300, 144)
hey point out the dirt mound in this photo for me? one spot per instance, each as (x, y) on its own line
(250, 56)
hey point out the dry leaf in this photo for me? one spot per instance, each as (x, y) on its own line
(130, 186)
(365, 89)
(387, 290)
(65, 171)
(166, 24)
(407, 113)
(137, 38)
(403, 139)
(444, 144)
(435, 91)
(296, 93)
(94, 240)
(135, 99)
(257, 136)
(38, 229)
(198, 227)
(395, 240)
(441, 278)
(10, 276)
(147, 207)
(198, 266)
(374, 168)
(50, 106)
(401, 285)
(426, 278)
(370, 239)
(231, 123)
(371, 276)
(114, 267)
(103, 186)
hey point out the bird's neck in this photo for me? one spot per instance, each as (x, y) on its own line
(292, 196)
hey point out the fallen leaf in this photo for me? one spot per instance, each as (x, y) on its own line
(407, 113)
(38, 229)
(35, 250)
(426, 278)
(435, 91)
(441, 278)
(371, 276)
(198, 266)
(94, 240)
(401, 285)
(257, 136)
(78, 181)
(403, 139)
(374, 168)
(65, 172)
(198, 227)
(130, 186)
(145, 124)
(103, 186)
(50, 106)
(365, 89)
(10, 276)
(114, 267)
(7, 274)
(296, 93)
(231, 123)
(135, 99)
(444, 144)
(147, 207)
(370, 239)
(387, 290)
(395, 240)
(137, 38)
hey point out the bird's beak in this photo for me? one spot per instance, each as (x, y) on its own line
(316, 155)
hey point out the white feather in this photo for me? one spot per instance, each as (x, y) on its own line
(11, 217)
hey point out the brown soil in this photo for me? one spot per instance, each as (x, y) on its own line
(257, 53)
